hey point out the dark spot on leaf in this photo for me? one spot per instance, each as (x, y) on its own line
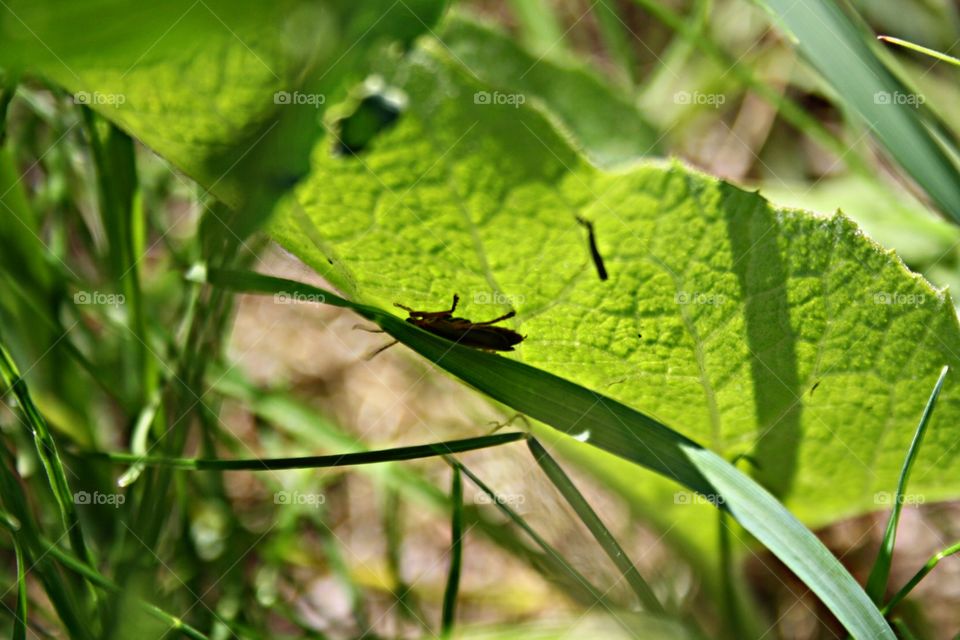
(374, 115)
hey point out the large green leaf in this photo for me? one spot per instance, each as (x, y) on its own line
(721, 314)
(231, 92)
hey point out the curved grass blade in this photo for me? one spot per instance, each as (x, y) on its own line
(933, 53)
(605, 423)
(138, 440)
(47, 452)
(903, 629)
(20, 614)
(837, 48)
(57, 590)
(920, 575)
(877, 582)
(94, 577)
(317, 462)
(546, 547)
(589, 517)
(456, 555)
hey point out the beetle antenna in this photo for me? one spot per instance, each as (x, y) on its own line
(495, 320)
(363, 328)
(404, 307)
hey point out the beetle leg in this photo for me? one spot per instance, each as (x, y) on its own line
(495, 320)
(456, 300)
(381, 350)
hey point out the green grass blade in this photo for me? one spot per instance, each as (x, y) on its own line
(836, 46)
(903, 629)
(20, 614)
(877, 582)
(456, 555)
(617, 37)
(316, 462)
(572, 574)
(933, 53)
(94, 577)
(138, 440)
(540, 29)
(760, 513)
(57, 589)
(7, 90)
(46, 451)
(589, 517)
(20, 622)
(920, 575)
(605, 423)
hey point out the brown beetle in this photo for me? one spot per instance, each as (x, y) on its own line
(479, 335)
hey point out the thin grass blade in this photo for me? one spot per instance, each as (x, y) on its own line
(877, 582)
(933, 53)
(592, 521)
(456, 555)
(46, 451)
(19, 631)
(920, 575)
(546, 547)
(317, 462)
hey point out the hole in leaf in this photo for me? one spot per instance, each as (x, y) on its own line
(374, 114)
